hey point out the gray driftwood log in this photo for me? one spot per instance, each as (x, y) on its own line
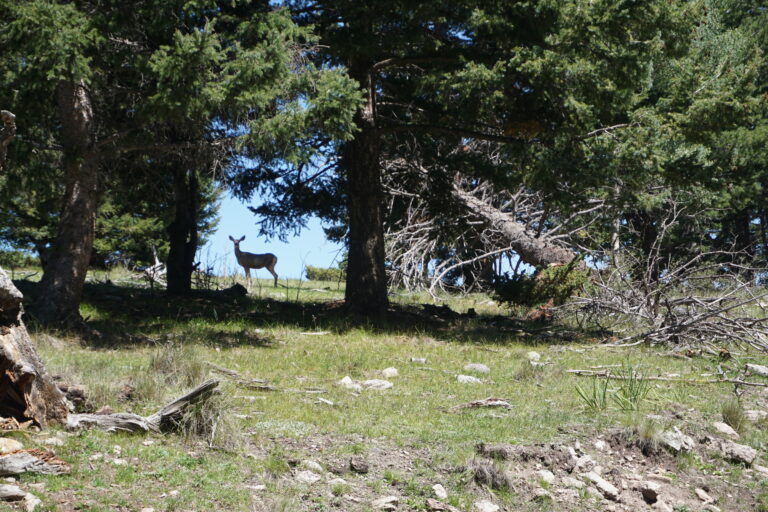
(164, 419)
(27, 392)
(31, 461)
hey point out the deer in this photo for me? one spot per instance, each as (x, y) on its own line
(249, 261)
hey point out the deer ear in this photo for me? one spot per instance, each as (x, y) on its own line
(243, 238)
(230, 237)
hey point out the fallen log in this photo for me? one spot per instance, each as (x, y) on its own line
(31, 461)
(167, 418)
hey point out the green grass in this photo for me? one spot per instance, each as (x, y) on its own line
(162, 346)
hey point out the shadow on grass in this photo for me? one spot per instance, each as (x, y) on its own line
(127, 316)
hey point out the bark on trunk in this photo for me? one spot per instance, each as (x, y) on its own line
(538, 252)
(26, 390)
(366, 291)
(183, 232)
(62, 284)
(7, 132)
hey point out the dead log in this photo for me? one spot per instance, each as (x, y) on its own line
(27, 392)
(167, 418)
(32, 461)
(534, 249)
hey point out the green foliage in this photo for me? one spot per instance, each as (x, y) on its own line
(324, 274)
(633, 389)
(556, 283)
(733, 414)
(596, 396)
(11, 259)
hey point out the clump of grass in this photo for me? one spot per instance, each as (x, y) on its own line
(596, 396)
(633, 389)
(178, 364)
(733, 414)
(648, 432)
(211, 419)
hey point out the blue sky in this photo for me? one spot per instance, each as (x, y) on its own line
(309, 248)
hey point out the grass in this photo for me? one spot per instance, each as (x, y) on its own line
(163, 346)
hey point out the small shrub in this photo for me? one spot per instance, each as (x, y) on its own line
(646, 432)
(633, 390)
(556, 283)
(211, 420)
(324, 274)
(733, 414)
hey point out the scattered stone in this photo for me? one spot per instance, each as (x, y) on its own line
(601, 445)
(148, 509)
(676, 441)
(725, 429)
(606, 488)
(257, 487)
(337, 481)
(307, 477)
(711, 508)
(348, 383)
(754, 415)
(312, 466)
(437, 506)
(662, 506)
(8, 445)
(533, 356)
(660, 478)
(419, 360)
(569, 481)
(738, 452)
(594, 493)
(388, 373)
(703, 496)
(757, 369)
(546, 475)
(386, 503)
(584, 464)
(484, 506)
(358, 464)
(439, 491)
(31, 502)
(477, 367)
(53, 441)
(760, 469)
(377, 384)
(650, 491)
(540, 494)
(119, 462)
(11, 493)
(468, 379)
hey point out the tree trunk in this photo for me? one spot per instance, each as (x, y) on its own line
(7, 132)
(26, 390)
(366, 291)
(62, 284)
(533, 250)
(183, 232)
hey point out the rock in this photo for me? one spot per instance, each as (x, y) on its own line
(533, 356)
(312, 466)
(476, 367)
(757, 369)
(468, 379)
(53, 441)
(388, 373)
(307, 477)
(760, 469)
(358, 464)
(738, 452)
(386, 503)
(546, 476)
(676, 441)
(541, 495)
(711, 508)
(257, 487)
(31, 502)
(754, 415)
(377, 384)
(703, 496)
(601, 445)
(484, 506)
(8, 445)
(419, 360)
(662, 507)
(348, 383)
(148, 509)
(11, 493)
(584, 464)
(594, 493)
(337, 481)
(606, 488)
(437, 506)
(439, 491)
(650, 491)
(725, 429)
(660, 478)
(569, 481)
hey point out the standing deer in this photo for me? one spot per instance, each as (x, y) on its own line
(248, 260)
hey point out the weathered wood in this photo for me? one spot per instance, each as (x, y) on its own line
(31, 461)
(27, 392)
(165, 419)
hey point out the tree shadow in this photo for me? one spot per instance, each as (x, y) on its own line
(125, 316)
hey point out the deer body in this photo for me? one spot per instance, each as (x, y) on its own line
(249, 261)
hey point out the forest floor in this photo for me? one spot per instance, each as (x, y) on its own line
(306, 428)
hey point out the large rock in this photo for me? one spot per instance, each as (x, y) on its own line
(606, 488)
(386, 503)
(484, 506)
(738, 452)
(676, 441)
(477, 368)
(725, 429)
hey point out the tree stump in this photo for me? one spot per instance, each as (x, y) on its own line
(27, 392)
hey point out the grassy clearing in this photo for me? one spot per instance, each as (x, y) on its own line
(160, 347)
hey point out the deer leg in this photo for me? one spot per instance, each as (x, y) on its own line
(247, 278)
(271, 269)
